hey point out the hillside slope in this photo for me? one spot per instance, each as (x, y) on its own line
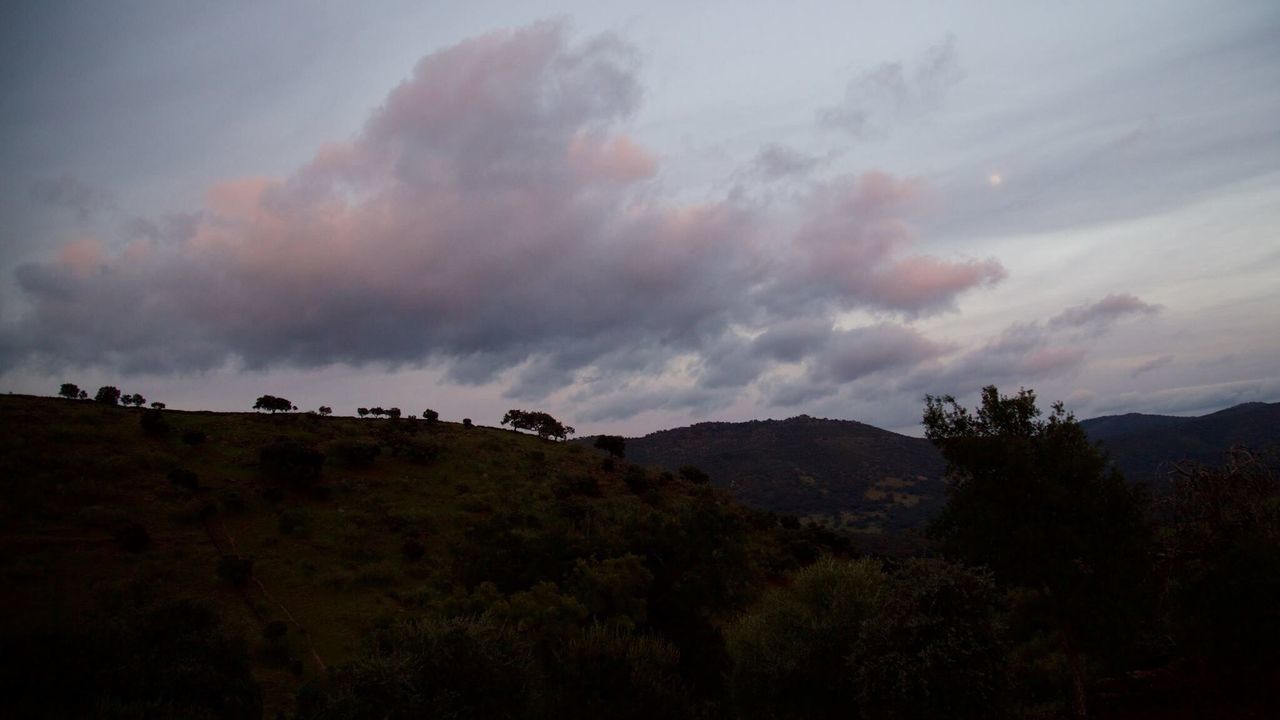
(1146, 447)
(404, 519)
(855, 474)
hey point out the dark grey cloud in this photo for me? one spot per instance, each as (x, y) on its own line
(69, 193)
(494, 218)
(895, 92)
(779, 162)
(1104, 312)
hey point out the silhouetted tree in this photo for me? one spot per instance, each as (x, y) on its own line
(272, 403)
(70, 391)
(135, 400)
(83, 395)
(615, 445)
(430, 415)
(1036, 502)
(158, 405)
(325, 411)
(108, 395)
(393, 413)
(466, 422)
(362, 412)
(539, 422)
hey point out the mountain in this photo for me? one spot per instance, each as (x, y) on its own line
(1146, 447)
(854, 474)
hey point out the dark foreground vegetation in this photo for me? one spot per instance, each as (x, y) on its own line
(220, 565)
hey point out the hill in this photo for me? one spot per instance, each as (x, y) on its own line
(112, 517)
(1146, 447)
(853, 474)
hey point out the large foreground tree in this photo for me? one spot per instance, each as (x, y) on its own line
(1032, 499)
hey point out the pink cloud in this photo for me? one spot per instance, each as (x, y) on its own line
(494, 213)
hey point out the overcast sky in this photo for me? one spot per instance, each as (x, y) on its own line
(642, 217)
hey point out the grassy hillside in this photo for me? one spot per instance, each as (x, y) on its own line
(848, 473)
(92, 516)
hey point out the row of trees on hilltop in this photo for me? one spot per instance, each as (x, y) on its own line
(107, 395)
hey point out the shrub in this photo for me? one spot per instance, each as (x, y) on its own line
(413, 549)
(615, 445)
(193, 437)
(694, 475)
(466, 422)
(430, 415)
(132, 537)
(153, 423)
(637, 479)
(355, 454)
(235, 569)
(184, 479)
(292, 462)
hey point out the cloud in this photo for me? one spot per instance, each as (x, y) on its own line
(1103, 313)
(494, 218)
(892, 92)
(69, 193)
(1152, 364)
(779, 162)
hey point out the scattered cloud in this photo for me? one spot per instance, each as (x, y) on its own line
(894, 92)
(1103, 313)
(69, 193)
(1152, 364)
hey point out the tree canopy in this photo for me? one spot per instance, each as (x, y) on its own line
(1032, 499)
(539, 422)
(273, 404)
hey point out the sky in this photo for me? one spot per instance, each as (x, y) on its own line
(637, 216)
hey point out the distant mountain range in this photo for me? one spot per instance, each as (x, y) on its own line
(1146, 447)
(862, 477)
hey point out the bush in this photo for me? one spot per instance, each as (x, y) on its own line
(582, 485)
(292, 462)
(637, 479)
(153, 423)
(466, 422)
(355, 454)
(413, 549)
(694, 475)
(184, 479)
(132, 537)
(193, 437)
(235, 569)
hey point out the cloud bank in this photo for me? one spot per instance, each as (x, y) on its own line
(494, 217)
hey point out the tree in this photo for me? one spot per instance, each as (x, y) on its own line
(135, 400)
(540, 422)
(325, 410)
(83, 395)
(108, 394)
(69, 391)
(430, 415)
(273, 404)
(393, 413)
(615, 445)
(1034, 501)
(158, 405)
(362, 412)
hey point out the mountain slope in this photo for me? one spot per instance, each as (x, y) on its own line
(858, 475)
(1146, 447)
